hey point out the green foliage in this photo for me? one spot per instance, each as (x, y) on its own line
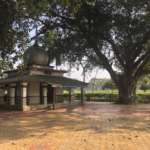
(5, 65)
(12, 35)
(113, 34)
(144, 83)
(109, 85)
(145, 87)
(99, 84)
(106, 96)
(109, 96)
(8, 14)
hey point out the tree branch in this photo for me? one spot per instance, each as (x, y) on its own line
(116, 51)
(142, 64)
(106, 64)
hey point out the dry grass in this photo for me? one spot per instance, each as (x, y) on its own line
(92, 127)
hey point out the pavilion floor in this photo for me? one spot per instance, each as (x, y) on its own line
(97, 126)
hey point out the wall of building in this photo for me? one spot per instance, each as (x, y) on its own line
(57, 74)
(34, 93)
(59, 93)
(18, 90)
(37, 72)
(2, 93)
(59, 90)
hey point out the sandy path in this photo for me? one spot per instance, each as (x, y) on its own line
(96, 126)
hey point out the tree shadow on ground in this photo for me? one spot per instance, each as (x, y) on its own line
(95, 118)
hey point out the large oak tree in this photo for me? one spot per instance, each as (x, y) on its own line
(12, 33)
(113, 34)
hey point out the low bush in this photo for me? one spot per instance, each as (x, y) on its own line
(108, 97)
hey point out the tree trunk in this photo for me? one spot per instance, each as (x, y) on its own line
(127, 90)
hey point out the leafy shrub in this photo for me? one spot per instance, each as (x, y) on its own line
(108, 97)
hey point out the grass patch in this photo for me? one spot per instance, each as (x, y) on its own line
(109, 95)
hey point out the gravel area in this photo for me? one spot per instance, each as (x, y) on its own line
(94, 126)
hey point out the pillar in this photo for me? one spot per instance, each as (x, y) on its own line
(12, 94)
(69, 95)
(82, 95)
(54, 97)
(45, 94)
(2, 94)
(24, 96)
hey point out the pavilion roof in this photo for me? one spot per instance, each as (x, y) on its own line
(53, 80)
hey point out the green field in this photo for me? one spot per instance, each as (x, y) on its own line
(110, 95)
(147, 92)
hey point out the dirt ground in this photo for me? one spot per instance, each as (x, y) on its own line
(95, 126)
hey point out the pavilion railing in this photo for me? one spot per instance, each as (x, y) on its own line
(59, 98)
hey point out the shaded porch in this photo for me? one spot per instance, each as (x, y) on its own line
(30, 92)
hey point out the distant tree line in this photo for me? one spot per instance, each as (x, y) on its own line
(100, 84)
(108, 84)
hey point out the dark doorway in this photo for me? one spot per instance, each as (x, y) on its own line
(18, 96)
(6, 98)
(50, 94)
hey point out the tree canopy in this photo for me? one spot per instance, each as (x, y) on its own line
(12, 33)
(113, 34)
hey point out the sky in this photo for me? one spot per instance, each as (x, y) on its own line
(77, 74)
(100, 74)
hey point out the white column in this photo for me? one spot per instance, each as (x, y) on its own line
(12, 94)
(45, 94)
(24, 96)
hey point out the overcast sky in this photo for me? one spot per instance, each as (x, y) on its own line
(77, 74)
(101, 74)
